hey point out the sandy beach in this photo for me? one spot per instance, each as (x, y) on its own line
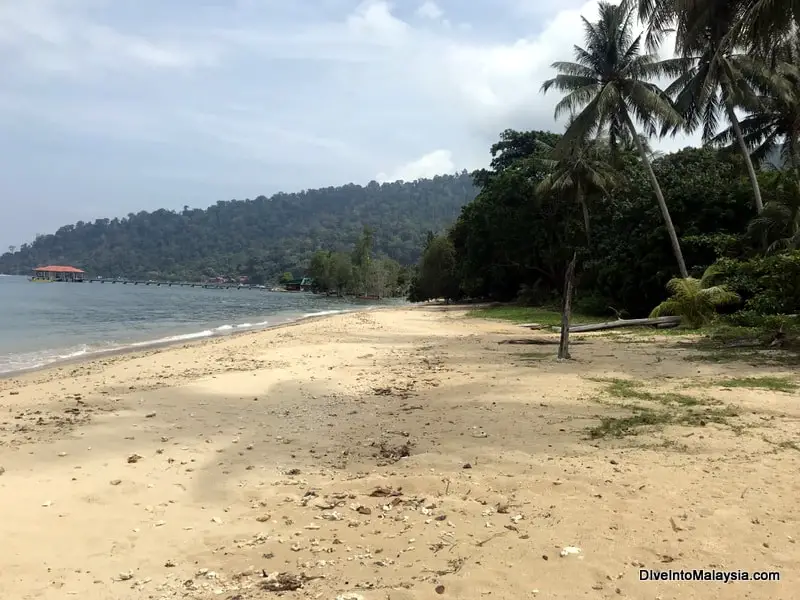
(398, 454)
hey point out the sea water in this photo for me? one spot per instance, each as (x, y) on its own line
(42, 324)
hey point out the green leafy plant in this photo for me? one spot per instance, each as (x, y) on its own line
(768, 285)
(694, 300)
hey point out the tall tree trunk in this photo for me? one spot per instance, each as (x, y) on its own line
(673, 236)
(585, 210)
(751, 171)
(566, 310)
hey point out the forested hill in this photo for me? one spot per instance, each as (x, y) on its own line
(267, 236)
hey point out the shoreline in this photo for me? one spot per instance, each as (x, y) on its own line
(148, 348)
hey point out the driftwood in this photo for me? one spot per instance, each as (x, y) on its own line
(658, 322)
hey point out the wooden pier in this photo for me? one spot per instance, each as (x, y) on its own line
(212, 286)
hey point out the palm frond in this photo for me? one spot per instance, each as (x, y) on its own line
(574, 101)
(651, 106)
(718, 295)
(574, 69)
(668, 308)
(790, 243)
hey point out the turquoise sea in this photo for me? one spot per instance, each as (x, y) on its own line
(41, 324)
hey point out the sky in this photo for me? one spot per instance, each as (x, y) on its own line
(109, 107)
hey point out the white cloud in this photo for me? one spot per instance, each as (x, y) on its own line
(434, 163)
(54, 35)
(429, 10)
(286, 95)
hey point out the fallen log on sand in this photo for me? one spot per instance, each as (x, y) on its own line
(660, 322)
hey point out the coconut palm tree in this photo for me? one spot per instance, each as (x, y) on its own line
(765, 21)
(756, 25)
(775, 123)
(712, 77)
(577, 170)
(779, 223)
(608, 87)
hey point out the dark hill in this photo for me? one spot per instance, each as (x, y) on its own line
(268, 235)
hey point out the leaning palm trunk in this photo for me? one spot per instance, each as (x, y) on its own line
(585, 210)
(673, 236)
(747, 159)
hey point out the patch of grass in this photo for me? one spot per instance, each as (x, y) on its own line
(777, 384)
(666, 332)
(754, 345)
(629, 389)
(645, 418)
(622, 388)
(623, 426)
(755, 358)
(529, 314)
(673, 409)
(623, 339)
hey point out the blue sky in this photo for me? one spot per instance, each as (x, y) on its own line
(115, 106)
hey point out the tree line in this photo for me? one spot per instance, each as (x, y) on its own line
(358, 272)
(596, 202)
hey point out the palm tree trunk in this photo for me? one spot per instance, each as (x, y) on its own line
(566, 310)
(585, 209)
(673, 236)
(751, 172)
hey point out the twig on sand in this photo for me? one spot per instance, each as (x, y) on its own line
(490, 538)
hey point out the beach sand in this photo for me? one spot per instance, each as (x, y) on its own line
(394, 454)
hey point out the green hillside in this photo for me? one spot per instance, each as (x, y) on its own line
(263, 237)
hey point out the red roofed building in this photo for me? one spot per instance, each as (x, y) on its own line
(58, 273)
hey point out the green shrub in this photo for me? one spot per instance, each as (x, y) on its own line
(694, 300)
(768, 285)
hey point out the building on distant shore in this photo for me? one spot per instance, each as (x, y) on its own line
(299, 285)
(58, 273)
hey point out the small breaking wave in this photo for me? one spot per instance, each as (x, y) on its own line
(26, 361)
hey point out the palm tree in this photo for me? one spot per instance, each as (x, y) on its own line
(608, 87)
(763, 22)
(712, 76)
(694, 300)
(779, 223)
(775, 123)
(575, 170)
(757, 25)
